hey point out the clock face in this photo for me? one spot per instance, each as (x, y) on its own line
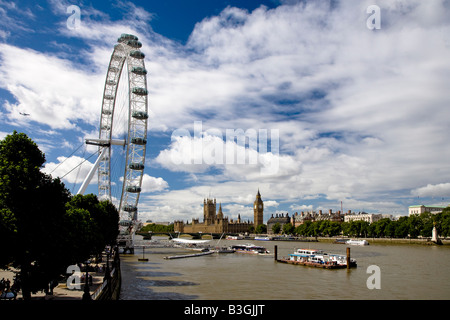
(255, 206)
(260, 206)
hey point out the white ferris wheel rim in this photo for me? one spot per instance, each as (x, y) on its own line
(126, 51)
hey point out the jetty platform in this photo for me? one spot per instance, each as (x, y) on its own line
(181, 256)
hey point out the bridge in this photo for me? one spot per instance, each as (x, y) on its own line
(148, 235)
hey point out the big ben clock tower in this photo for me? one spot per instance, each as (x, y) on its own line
(258, 209)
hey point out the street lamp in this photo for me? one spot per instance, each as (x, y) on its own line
(86, 294)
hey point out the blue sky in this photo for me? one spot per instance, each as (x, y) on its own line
(355, 115)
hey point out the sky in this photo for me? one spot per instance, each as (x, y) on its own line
(340, 103)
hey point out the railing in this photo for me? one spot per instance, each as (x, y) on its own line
(99, 290)
(109, 282)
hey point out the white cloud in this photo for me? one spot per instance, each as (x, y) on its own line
(152, 184)
(50, 89)
(437, 190)
(360, 113)
(71, 170)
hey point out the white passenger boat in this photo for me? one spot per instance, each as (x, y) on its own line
(354, 242)
(234, 238)
(250, 248)
(318, 258)
(262, 238)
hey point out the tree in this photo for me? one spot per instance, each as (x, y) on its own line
(415, 225)
(427, 223)
(305, 229)
(276, 228)
(443, 222)
(101, 218)
(32, 207)
(43, 229)
(288, 228)
(390, 229)
(262, 228)
(381, 227)
(402, 228)
(334, 229)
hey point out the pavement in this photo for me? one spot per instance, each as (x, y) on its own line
(61, 291)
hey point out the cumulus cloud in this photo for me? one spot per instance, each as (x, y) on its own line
(70, 169)
(153, 184)
(437, 190)
(50, 89)
(360, 113)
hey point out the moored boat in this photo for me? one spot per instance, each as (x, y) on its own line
(250, 248)
(259, 238)
(354, 242)
(234, 238)
(318, 258)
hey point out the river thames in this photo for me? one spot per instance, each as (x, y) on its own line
(405, 272)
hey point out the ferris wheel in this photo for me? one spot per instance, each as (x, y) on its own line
(125, 81)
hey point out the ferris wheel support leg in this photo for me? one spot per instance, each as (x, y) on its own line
(94, 168)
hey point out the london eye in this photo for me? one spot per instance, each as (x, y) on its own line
(122, 134)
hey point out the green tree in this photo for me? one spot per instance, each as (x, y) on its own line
(262, 228)
(288, 228)
(276, 228)
(334, 229)
(391, 228)
(157, 228)
(102, 221)
(402, 228)
(427, 223)
(32, 208)
(381, 227)
(43, 229)
(304, 229)
(443, 222)
(415, 226)
(346, 228)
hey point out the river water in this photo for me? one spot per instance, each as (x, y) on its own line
(405, 272)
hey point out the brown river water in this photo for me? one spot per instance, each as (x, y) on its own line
(405, 272)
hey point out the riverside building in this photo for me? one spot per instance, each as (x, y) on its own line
(418, 209)
(218, 223)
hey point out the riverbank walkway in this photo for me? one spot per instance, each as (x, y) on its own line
(61, 291)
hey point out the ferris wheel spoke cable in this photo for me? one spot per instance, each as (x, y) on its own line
(81, 145)
(78, 165)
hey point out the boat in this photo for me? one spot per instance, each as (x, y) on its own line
(234, 238)
(318, 258)
(262, 238)
(250, 248)
(224, 250)
(340, 241)
(354, 242)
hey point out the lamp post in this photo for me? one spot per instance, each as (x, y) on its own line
(86, 294)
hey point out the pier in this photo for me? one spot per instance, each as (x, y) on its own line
(189, 255)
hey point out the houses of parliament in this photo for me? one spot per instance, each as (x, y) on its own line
(218, 223)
